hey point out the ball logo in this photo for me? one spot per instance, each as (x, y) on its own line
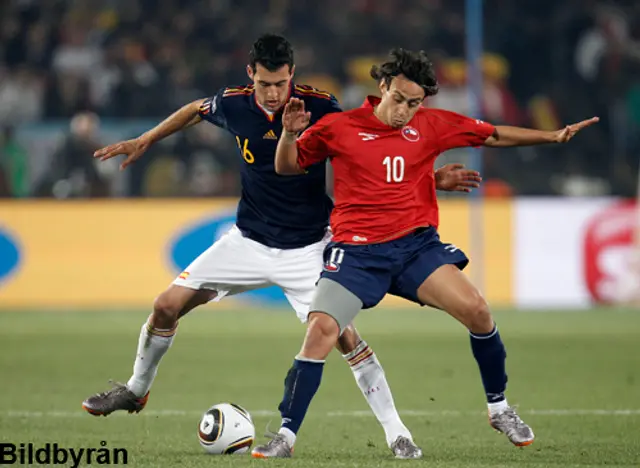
(9, 255)
(609, 260)
(191, 242)
(206, 425)
(411, 134)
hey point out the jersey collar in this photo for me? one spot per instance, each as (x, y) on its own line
(271, 118)
(371, 102)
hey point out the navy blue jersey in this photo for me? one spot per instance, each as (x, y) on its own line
(284, 212)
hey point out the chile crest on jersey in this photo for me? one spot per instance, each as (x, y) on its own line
(411, 134)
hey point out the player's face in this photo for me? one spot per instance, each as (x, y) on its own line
(400, 101)
(271, 87)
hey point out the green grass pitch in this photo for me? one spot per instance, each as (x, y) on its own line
(575, 377)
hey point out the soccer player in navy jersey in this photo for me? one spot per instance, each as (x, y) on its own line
(279, 236)
(384, 224)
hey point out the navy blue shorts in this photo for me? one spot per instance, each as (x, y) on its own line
(396, 267)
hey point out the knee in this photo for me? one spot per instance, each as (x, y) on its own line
(322, 334)
(477, 315)
(349, 340)
(165, 310)
(324, 327)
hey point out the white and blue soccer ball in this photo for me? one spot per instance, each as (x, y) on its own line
(226, 429)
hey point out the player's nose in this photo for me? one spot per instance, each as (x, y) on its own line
(401, 116)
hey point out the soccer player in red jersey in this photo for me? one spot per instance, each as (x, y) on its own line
(385, 222)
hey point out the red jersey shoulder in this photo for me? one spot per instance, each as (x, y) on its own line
(440, 117)
(358, 113)
(327, 120)
(453, 130)
(332, 126)
(345, 118)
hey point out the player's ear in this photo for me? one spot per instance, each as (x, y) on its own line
(383, 87)
(250, 72)
(293, 70)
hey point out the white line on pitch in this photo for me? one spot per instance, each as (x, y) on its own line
(335, 414)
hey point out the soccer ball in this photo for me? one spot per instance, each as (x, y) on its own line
(226, 429)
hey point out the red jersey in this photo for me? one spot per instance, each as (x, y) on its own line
(384, 180)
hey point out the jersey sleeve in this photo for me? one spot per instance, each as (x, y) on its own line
(456, 131)
(212, 110)
(314, 145)
(332, 106)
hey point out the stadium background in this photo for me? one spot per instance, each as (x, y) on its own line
(75, 76)
(553, 229)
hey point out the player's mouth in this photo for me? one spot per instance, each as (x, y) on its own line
(272, 105)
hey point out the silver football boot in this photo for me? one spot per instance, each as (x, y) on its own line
(277, 447)
(509, 423)
(404, 448)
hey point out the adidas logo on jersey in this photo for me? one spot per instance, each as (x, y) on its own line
(270, 135)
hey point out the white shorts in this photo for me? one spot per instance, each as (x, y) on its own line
(235, 264)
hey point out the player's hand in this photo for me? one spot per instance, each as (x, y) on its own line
(294, 117)
(568, 132)
(455, 178)
(132, 149)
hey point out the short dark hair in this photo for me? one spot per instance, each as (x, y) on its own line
(416, 66)
(272, 52)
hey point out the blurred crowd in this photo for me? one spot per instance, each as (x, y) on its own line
(547, 63)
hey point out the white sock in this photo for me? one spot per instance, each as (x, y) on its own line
(152, 345)
(289, 436)
(498, 407)
(372, 381)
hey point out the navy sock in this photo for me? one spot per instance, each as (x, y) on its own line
(300, 385)
(490, 354)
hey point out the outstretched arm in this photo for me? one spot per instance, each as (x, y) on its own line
(505, 136)
(184, 117)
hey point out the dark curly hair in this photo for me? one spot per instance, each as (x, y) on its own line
(272, 52)
(416, 66)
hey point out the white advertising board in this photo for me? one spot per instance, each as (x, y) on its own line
(574, 252)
